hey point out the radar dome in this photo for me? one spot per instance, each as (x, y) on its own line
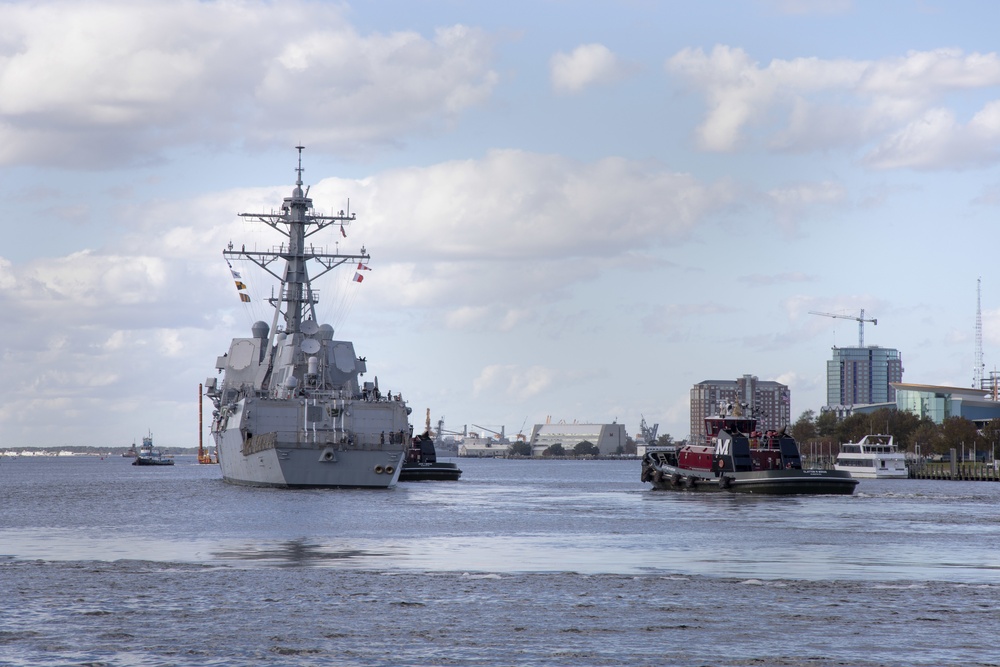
(325, 332)
(260, 329)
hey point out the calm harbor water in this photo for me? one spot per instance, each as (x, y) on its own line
(518, 563)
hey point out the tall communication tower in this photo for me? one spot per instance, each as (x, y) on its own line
(977, 373)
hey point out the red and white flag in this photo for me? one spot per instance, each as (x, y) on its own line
(358, 277)
(362, 267)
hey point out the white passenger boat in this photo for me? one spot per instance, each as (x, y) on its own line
(873, 457)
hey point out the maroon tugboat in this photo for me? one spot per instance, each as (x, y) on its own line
(738, 458)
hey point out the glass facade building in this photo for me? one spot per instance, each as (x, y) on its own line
(939, 403)
(862, 375)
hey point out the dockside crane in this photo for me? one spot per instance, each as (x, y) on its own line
(499, 434)
(520, 434)
(441, 432)
(860, 319)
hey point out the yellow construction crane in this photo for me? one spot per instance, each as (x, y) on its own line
(860, 319)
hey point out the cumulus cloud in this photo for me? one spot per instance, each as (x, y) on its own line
(585, 66)
(937, 140)
(896, 107)
(492, 207)
(488, 235)
(98, 82)
(513, 381)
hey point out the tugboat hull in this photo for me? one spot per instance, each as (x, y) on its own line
(430, 472)
(763, 482)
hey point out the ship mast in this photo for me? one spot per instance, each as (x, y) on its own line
(297, 221)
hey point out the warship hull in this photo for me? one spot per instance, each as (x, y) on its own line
(300, 468)
(301, 458)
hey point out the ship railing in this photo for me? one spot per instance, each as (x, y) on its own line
(335, 438)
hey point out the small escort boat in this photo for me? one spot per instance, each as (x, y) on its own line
(149, 455)
(421, 464)
(873, 457)
(740, 459)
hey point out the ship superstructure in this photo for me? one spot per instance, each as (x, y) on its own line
(291, 409)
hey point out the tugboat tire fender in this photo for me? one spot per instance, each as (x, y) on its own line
(690, 482)
(657, 476)
(724, 481)
(675, 479)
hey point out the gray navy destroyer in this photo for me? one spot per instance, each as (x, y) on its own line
(291, 409)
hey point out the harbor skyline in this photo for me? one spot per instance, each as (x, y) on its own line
(578, 212)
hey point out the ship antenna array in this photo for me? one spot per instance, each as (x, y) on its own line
(860, 319)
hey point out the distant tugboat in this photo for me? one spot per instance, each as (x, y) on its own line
(740, 459)
(421, 462)
(150, 456)
(291, 410)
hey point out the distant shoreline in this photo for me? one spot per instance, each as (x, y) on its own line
(79, 450)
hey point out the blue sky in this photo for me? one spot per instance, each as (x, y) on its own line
(575, 210)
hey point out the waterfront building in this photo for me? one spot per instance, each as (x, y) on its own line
(858, 376)
(609, 438)
(770, 401)
(474, 445)
(941, 402)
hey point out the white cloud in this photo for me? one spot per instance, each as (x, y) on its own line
(98, 82)
(485, 318)
(585, 66)
(937, 140)
(513, 381)
(793, 203)
(809, 104)
(495, 238)
(519, 205)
